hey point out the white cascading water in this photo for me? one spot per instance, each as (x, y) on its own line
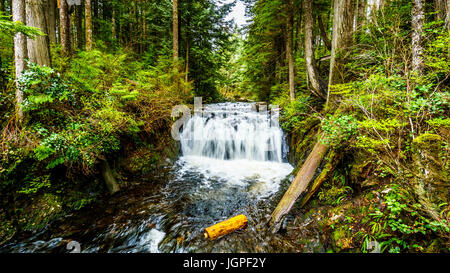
(232, 141)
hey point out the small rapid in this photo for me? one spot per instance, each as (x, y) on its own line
(233, 161)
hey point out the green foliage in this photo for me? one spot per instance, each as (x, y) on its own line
(76, 119)
(339, 129)
(401, 221)
(293, 112)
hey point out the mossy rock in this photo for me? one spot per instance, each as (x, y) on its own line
(7, 229)
(42, 210)
(342, 238)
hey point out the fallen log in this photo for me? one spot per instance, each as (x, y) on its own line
(226, 227)
(299, 185)
(332, 161)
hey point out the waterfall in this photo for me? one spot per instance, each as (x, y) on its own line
(233, 131)
(234, 144)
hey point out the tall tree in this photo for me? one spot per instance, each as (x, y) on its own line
(318, 86)
(417, 21)
(447, 15)
(175, 29)
(88, 24)
(65, 26)
(20, 52)
(79, 25)
(290, 47)
(439, 7)
(51, 20)
(38, 48)
(341, 40)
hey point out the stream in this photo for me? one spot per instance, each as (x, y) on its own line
(233, 161)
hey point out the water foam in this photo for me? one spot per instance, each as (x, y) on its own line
(233, 142)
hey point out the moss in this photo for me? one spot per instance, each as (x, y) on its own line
(7, 229)
(427, 141)
(42, 210)
(342, 237)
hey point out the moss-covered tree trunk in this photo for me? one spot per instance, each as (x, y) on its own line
(299, 185)
(88, 24)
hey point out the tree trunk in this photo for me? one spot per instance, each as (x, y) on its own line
(144, 29)
(187, 57)
(64, 24)
(175, 30)
(290, 48)
(447, 15)
(88, 24)
(417, 21)
(79, 26)
(439, 7)
(318, 88)
(38, 48)
(323, 31)
(95, 16)
(299, 185)
(342, 39)
(113, 23)
(51, 21)
(20, 53)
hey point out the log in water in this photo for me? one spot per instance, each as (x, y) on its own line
(226, 227)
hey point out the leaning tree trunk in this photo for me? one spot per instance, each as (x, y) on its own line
(299, 185)
(38, 48)
(342, 33)
(88, 24)
(318, 87)
(20, 53)
(290, 48)
(417, 21)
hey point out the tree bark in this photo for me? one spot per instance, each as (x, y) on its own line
(64, 23)
(290, 48)
(318, 87)
(51, 20)
(299, 185)
(38, 48)
(79, 26)
(342, 39)
(439, 7)
(417, 21)
(323, 31)
(187, 57)
(88, 24)
(113, 23)
(447, 15)
(20, 53)
(175, 30)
